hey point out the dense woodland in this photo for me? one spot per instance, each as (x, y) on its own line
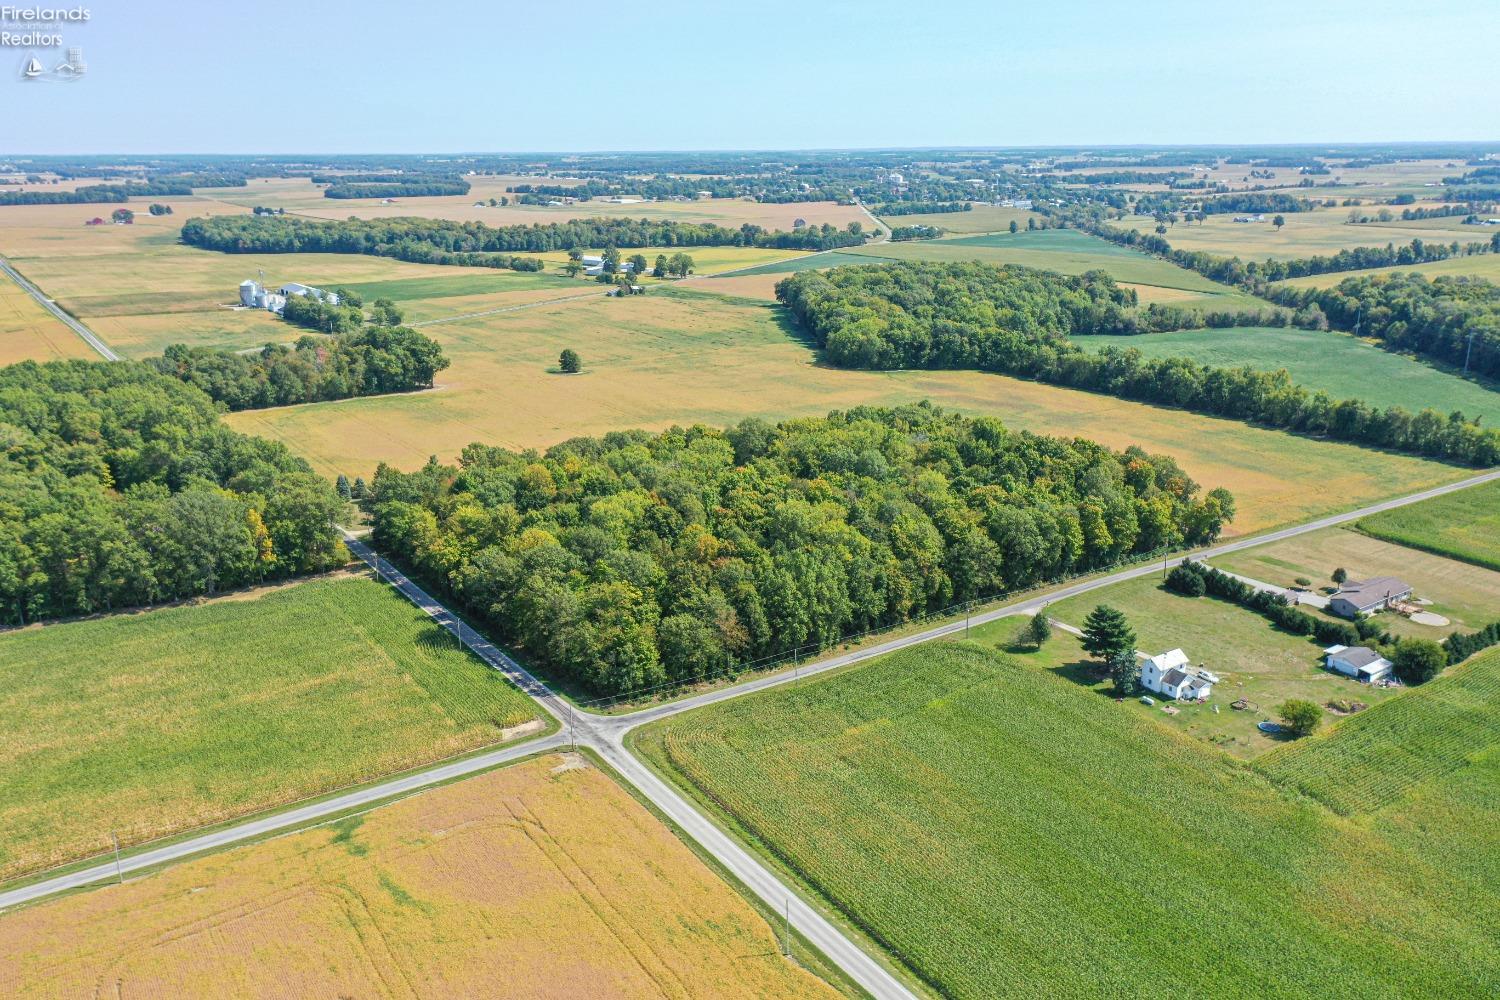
(119, 487)
(923, 207)
(1017, 321)
(367, 362)
(396, 188)
(475, 244)
(98, 194)
(639, 559)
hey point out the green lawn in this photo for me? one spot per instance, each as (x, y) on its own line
(463, 281)
(161, 721)
(832, 258)
(1343, 366)
(1255, 660)
(1463, 525)
(1467, 595)
(1001, 831)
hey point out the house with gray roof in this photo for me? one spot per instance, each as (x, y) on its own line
(1357, 597)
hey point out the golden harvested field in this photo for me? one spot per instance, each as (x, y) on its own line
(750, 286)
(676, 357)
(1322, 232)
(541, 880)
(1485, 265)
(299, 196)
(30, 333)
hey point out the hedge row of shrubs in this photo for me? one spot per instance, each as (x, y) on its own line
(1195, 579)
(1460, 647)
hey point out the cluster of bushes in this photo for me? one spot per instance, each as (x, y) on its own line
(1017, 321)
(325, 317)
(474, 244)
(1461, 646)
(923, 207)
(1257, 203)
(367, 362)
(1194, 579)
(98, 194)
(119, 486)
(397, 188)
(636, 559)
(899, 233)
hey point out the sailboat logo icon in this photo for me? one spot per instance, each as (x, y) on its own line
(33, 68)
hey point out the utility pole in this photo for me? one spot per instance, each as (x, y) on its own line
(786, 934)
(119, 872)
(1469, 351)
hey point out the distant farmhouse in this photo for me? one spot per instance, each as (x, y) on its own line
(1250, 218)
(1356, 598)
(594, 264)
(255, 296)
(1360, 662)
(1169, 674)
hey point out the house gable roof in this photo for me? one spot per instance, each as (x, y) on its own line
(1363, 594)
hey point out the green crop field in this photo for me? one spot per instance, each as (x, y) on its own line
(1376, 757)
(1344, 366)
(1463, 525)
(1256, 661)
(151, 723)
(979, 219)
(1003, 831)
(833, 258)
(672, 357)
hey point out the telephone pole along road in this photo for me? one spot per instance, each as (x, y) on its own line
(605, 734)
(52, 307)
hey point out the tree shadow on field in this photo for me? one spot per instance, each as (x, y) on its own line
(1086, 673)
(788, 325)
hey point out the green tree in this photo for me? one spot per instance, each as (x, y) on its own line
(1107, 634)
(1418, 660)
(662, 267)
(345, 492)
(1014, 227)
(638, 265)
(359, 490)
(1125, 671)
(386, 313)
(1039, 629)
(569, 361)
(611, 260)
(1300, 716)
(573, 268)
(1278, 222)
(1340, 575)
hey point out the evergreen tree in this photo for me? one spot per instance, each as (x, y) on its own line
(569, 361)
(1107, 634)
(342, 486)
(1039, 629)
(1125, 671)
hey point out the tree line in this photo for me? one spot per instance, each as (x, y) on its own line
(923, 207)
(119, 487)
(367, 362)
(902, 233)
(1017, 321)
(475, 244)
(411, 188)
(98, 194)
(639, 559)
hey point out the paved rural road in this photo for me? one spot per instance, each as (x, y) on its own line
(606, 735)
(52, 307)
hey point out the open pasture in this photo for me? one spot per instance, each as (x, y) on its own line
(156, 722)
(300, 197)
(30, 333)
(1468, 595)
(1255, 660)
(1343, 366)
(986, 822)
(1321, 232)
(1484, 265)
(673, 357)
(1463, 525)
(545, 879)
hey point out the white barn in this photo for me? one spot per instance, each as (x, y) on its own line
(1360, 662)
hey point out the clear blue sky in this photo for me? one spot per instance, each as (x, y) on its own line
(456, 75)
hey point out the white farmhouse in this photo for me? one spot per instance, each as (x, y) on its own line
(1169, 674)
(1360, 662)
